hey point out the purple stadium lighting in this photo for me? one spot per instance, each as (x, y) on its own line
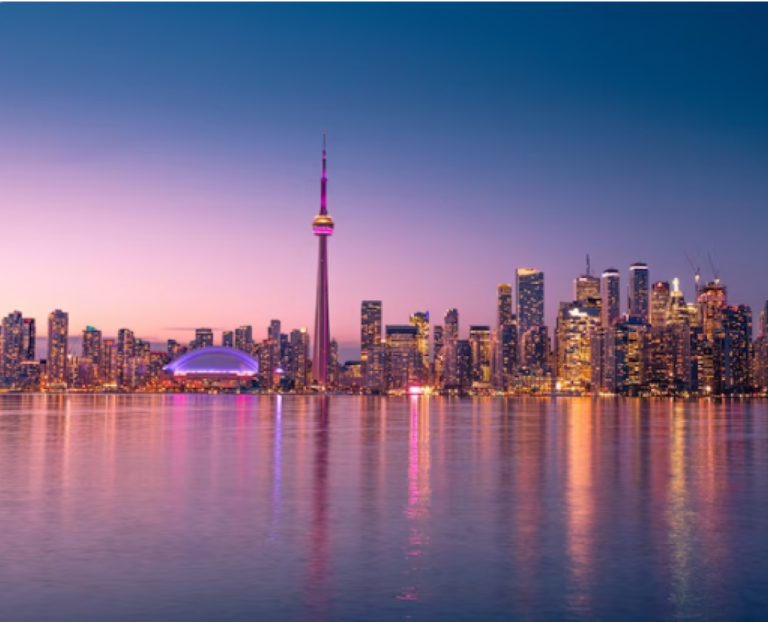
(214, 361)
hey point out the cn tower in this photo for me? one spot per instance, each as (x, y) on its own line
(322, 226)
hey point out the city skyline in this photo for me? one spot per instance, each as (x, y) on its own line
(153, 218)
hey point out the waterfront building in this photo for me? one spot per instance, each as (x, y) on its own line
(505, 355)
(660, 303)
(109, 361)
(610, 294)
(126, 344)
(244, 339)
(404, 367)
(421, 322)
(92, 349)
(619, 364)
(463, 350)
(12, 347)
(480, 352)
(437, 366)
(450, 337)
(28, 339)
(370, 337)
(666, 360)
(322, 226)
(333, 364)
(638, 292)
(530, 299)
(29, 377)
(58, 343)
(737, 349)
(215, 367)
(266, 358)
(351, 375)
(573, 334)
(298, 367)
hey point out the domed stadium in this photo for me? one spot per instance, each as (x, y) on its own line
(214, 362)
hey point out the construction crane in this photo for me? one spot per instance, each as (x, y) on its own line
(696, 271)
(715, 270)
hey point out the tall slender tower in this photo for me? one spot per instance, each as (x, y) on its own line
(322, 226)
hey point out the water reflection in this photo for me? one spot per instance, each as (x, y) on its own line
(201, 507)
(419, 494)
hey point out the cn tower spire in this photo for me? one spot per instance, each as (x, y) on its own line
(322, 226)
(323, 184)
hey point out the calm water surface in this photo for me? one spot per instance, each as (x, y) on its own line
(349, 508)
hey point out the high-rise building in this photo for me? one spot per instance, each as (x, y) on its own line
(29, 345)
(421, 322)
(737, 349)
(12, 347)
(244, 339)
(404, 368)
(638, 292)
(126, 350)
(535, 349)
(587, 287)
(203, 338)
(92, 350)
(266, 356)
(617, 358)
(438, 342)
(463, 350)
(109, 361)
(370, 337)
(58, 343)
(666, 359)
(660, 303)
(299, 358)
(333, 364)
(480, 347)
(573, 333)
(530, 299)
(505, 355)
(503, 304)
(611, 296)
(322, 226)
(228, 339)
(450, 337)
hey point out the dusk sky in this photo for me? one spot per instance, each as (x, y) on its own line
(160, 163)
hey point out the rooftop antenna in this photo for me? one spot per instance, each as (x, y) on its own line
(589, 268)
(696, 271)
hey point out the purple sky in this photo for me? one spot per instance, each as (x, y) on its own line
(159, 164)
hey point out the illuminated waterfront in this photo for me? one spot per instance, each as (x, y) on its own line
(201, 507)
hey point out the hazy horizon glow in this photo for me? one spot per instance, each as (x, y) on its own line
(160, 164)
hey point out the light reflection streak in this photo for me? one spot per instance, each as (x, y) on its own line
(277, 467)
(419, 494)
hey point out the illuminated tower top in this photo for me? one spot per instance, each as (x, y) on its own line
(323, 223)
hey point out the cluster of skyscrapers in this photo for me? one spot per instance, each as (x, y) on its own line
(660, 344)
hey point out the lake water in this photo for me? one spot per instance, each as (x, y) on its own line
(224, 508)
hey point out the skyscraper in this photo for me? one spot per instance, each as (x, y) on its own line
(503, 304)
(322, 226)
(126, 347)
(480, 346)
(404, 367)
(638, 292)
(450, 337)
(587, 287)
(244, 339)
(29, 339)
(530, 299)
(203, 338)
(660, 298)
(12, 340)
(58, 341)
(370, 335)
(92, 349)
(228, 339)
(611, 297)
(299, 358)
(421, 322)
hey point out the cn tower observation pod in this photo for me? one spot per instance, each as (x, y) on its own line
(214, 362)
